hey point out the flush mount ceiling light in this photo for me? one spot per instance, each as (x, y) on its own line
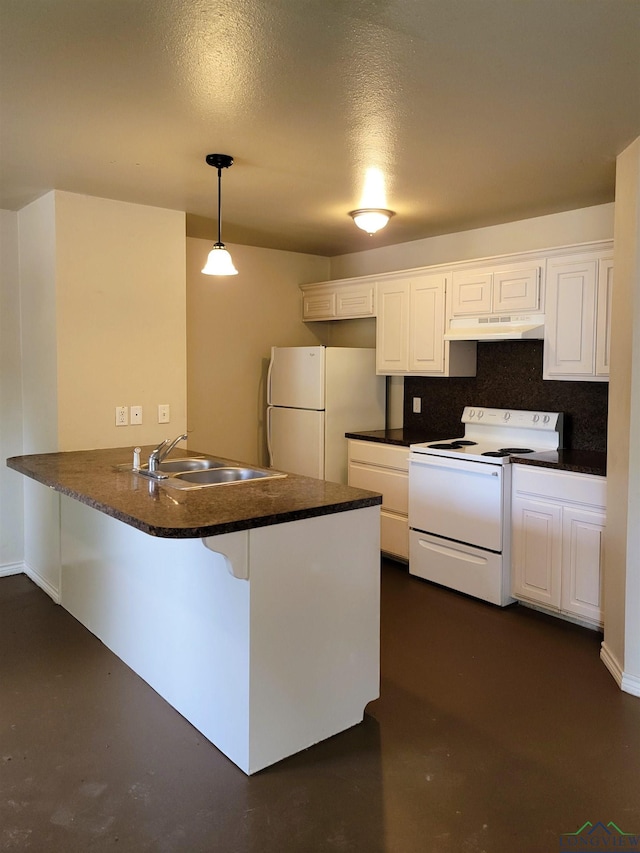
(371, 219)
(219, 261)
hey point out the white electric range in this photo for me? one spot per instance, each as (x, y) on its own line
(460, 499)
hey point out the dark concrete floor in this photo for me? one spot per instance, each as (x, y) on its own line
(496, 730)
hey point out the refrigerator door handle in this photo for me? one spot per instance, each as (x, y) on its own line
(269, 449)
(269, 370)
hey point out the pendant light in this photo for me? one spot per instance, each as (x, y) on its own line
(371, 219)
(219, 261)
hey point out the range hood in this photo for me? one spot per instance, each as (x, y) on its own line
(521, 327)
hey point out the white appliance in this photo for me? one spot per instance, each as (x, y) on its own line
(460, 499)
(315, 395)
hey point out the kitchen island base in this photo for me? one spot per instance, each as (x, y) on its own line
(266, 640)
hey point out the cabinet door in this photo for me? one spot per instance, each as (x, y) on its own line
(471, 293)
(426, 324)
(537, 551)
(319, 306)
(355, 302)
(516, 290)
(392, 327)
(569, 344)
(603, 320)
(582, 563)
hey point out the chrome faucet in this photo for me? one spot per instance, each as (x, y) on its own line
(162, 451)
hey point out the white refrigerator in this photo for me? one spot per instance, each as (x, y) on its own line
(314, 396)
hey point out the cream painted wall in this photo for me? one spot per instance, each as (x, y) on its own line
(621, 647)
(232, 323)
(121, 319)
(542, 232)
(103, 314)
(11, 483)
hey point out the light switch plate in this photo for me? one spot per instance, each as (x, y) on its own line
(417, 405)
(164, 413)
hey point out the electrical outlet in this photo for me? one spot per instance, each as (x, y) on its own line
(135, 414)
(417, 405)
(122, 416)
(164, 413)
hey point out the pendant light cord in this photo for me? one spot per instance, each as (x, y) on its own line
(219, 206)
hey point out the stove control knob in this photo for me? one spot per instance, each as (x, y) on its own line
(480, 414)
(536, 418)
(472, 413)
(546, 419)
(507, 416)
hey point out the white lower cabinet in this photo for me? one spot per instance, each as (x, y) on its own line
(558, 519)
(384, 468)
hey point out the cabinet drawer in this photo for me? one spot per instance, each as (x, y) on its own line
(563, 486)
(375, 453)
(393, 485)
(394, 534)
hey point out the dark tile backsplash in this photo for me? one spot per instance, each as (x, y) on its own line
(510, 377)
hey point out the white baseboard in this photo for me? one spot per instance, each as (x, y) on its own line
(43, 583)
(631, 684)
(626, 682)
(7, 569)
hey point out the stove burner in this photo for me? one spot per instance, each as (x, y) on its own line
(465, 442)
(447, 445)
(516, 450)
(495, 453)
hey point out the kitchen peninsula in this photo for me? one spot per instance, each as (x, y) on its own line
(252, 608)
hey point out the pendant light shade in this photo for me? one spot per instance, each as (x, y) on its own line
(219, 261)
(371, 219)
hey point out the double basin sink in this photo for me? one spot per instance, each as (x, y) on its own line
(201, 472)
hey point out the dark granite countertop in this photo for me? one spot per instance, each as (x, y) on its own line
(402, 437)
(90, 477)
(578, 461)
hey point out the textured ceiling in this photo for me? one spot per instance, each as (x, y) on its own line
(475, 111)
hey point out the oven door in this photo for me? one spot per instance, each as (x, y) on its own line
(457, 499)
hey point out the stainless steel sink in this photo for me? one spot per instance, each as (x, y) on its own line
(178, 466)
(218, 476)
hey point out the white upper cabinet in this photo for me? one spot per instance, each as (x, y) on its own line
(501, 290)
(410, 329)
(343, 300)
(578, 316)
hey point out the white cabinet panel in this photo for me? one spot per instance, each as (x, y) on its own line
(558, 520)
(578, 317)
(392, 328)
(516, 290)
(603, 319)
(536, 551)
(338, 300)
(506, 290)
(319, 306)
(410, 330)
(471, 294)
(582, 561)
(384, 468)
(426, 330)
